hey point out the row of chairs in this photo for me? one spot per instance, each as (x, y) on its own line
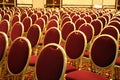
(82, 29)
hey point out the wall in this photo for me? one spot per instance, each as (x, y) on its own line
(38, 3)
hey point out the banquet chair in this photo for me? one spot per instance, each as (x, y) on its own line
(115, 23)
(14, 19)
(68, 27)
(51, 23)
(75, 46)
(23, 15)
(18, 59)
(103, 19)
(64, 20)
(97, 25)
(79, 22)
(3, 53)
(7, 17)
(27, 22)
(5, 26)
(88, 18)
(16, 31)
(33, 35)
(102, 57)
(88, 30)
(56, 66)
(75, 17)
(111, 30)
(34, 17)
(41, 23)
(45, 17)
(53, 35)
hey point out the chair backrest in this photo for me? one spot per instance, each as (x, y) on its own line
(104, 51)
(103, 19)
(56, 66)
(17, 30)
(3, 46)
(111, 30)
(15, 18)
(75, 17)
(4, 26)
(7, 17)
(67, 28)
(65, 20)
(45, 17)
(52, 23)
(88, 18)
(79, 22)
(34, 17)
(18, 56)
(53, 35)
(33, 34)
(23, 15)
(97, 25)
(75, 44)
(116, 24)
(27, 22)
(88, 30)
(41, 23)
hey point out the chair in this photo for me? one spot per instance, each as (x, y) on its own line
(102, 57)
(27, 22)
(79, 22)
(41, 23)
(65, 20)
(51, 23)
(115, 23)
(18, 58)
(45, 17)
(75, 17)
(103, 19)
(3, 52)
(66, 29)
(97, 25)
(88, 18)
(4, 26)
(111, 30)
(7, 17)
(23, 15)
(75, 46)
(54, 17)
(56, 66)
(34, 17)
(88, 30)
(55, 38)
(15, 18)
(33, 35)
(16, 31)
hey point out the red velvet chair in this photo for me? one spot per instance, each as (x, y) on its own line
(102, 57)
(34, 17)
(53, 35)
(79, 22)
(5, 26)
(14, 19)
(55, 68)
(68, 27)
(3, 53)
(75, 46)
(18, 58)
(97, 25)
(27, 22)
(16, 31)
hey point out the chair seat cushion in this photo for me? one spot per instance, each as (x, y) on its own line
(118, 61)
(70, 68)
(33, 59)
(84, 75)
